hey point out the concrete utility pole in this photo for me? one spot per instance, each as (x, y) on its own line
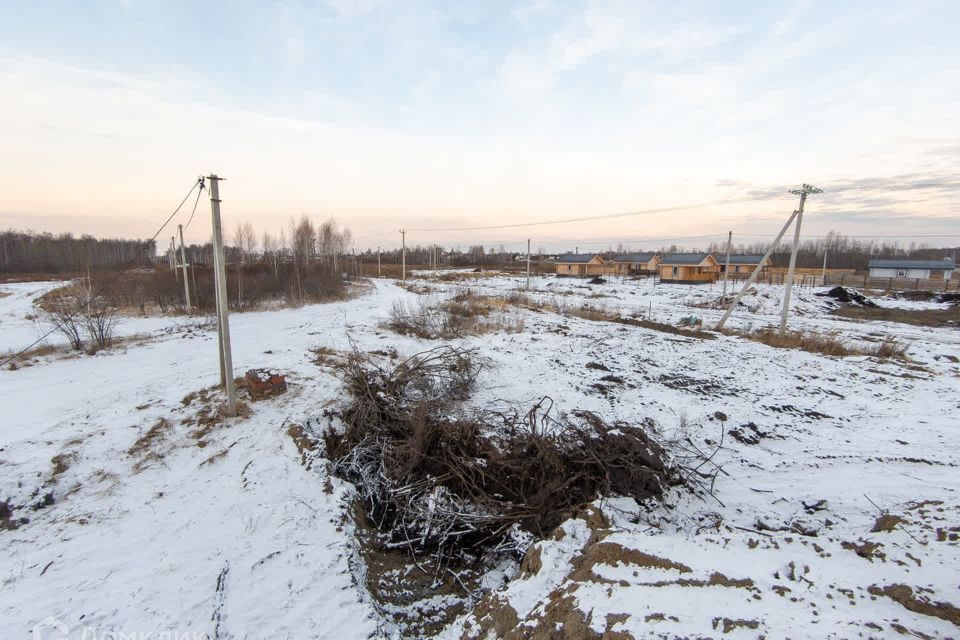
(173, 258)
(726, 268)
(788, 290)
(403, 234)
(823, 273)
(183, 264)
(528, 264)
(226, 361)
(216, 297)
(756, 271)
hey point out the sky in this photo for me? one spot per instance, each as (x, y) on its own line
(697, 116)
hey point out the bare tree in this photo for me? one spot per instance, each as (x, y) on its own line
(245, 240)
(270, 249)
(61, 314)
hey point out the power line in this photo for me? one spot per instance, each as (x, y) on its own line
(879, 235)
(196, 202)
(588, 218)
(175, 211)
(56, 327)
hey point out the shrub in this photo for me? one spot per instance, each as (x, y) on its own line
(463, 314)
(823, 343)
(890, 348)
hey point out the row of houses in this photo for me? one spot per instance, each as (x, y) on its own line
(692, 268)
(675, 267)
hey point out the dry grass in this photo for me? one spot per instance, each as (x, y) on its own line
(889, 348)
(214, 415)
(326, 357)
(827, 344)
(918, 317)
(29, 358)
(822, 343)
(35, 355)
(465, 314)
(59, 465)
(464, 276)
(415, 287)
(153, 434)
(601, 314)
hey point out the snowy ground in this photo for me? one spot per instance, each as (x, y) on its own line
(219, 528)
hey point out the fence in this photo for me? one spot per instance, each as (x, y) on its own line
(892, 284)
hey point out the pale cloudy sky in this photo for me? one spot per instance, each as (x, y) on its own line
(439, 115)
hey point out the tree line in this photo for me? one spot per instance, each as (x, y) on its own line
(305, 244)
(28, 252)
(842, 252)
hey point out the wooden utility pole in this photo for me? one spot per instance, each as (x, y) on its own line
(226, 360)
(403, 272)
(183, 264)
(788, 288)
(528, 264)
(726, 268)
(379, 272)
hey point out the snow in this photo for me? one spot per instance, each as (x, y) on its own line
(240, 538)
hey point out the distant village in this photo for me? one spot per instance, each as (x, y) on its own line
(698, 268)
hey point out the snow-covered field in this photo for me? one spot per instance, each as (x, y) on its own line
(142, 516)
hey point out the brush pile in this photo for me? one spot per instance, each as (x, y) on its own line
(438, 478)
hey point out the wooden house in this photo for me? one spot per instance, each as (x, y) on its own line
(689, 268)
(741, 266)
(579, 264)
(633, 263)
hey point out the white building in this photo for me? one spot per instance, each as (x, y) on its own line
(926, 269)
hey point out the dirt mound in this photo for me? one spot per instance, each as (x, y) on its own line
(440, 479)
(916, 296)
(950, 298)
(596, 280)
(848, 296)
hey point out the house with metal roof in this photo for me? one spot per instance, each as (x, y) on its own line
(579, 264)
(689, 268)
(742, 265)
(627, 263)
(925, 269)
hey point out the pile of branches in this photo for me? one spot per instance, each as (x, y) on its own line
(437, 477)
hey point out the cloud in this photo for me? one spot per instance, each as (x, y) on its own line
(384, 111)
(525, 12)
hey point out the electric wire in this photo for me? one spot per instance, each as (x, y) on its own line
(146, 243)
